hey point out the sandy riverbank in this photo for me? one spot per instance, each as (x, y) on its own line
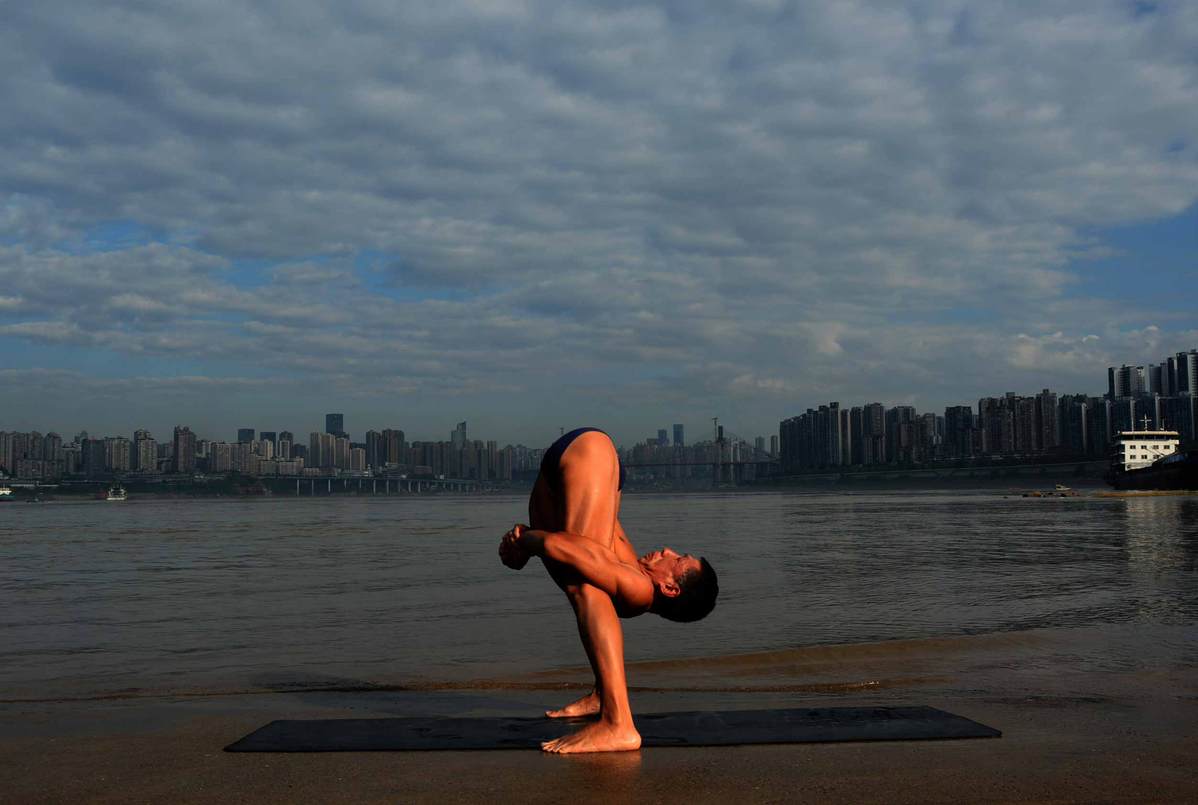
(1070, 735)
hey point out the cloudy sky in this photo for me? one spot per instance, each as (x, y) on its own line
(535, 214)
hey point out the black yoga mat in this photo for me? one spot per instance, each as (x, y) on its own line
(698, 728)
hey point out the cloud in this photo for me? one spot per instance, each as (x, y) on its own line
(457, 199)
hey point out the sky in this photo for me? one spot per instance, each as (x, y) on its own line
(535, 215)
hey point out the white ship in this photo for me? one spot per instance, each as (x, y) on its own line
(1137, 449)
(5, 491)
(117, 492)
(1152, 459)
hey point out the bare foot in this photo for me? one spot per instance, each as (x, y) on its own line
(586, 706)
(598, 737)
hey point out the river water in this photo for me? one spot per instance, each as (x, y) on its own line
(208, 596)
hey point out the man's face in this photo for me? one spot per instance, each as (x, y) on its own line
(667, 565)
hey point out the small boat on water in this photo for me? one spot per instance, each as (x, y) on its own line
(117, 492)
(5, 492)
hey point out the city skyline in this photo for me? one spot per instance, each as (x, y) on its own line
(1173, 375)
(538, 215)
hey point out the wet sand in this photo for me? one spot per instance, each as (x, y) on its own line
(1071, 734)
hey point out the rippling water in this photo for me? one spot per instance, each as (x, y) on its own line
(102, 598)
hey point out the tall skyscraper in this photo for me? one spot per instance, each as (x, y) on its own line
(873, 433)
(394, 447)
(334, 424)
(320, 449)
(663, 440)
(245, 435)
(1048, 425)
(184, 455)
(1186, 377)
(117, 453)
(679, 438)
(1126, 381)
(457, 437)
(92, 457)
(958, 431)
(145, 452)
(376, 449)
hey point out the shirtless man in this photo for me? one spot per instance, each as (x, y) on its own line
(574, 512)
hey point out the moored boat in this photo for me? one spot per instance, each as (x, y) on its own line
(1152, 459)
(117, 492)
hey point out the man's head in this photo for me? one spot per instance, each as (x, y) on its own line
(684, 587)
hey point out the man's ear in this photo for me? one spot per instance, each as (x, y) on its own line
(669, 589)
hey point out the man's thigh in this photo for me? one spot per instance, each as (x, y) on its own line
(590, 480)
(583, 498)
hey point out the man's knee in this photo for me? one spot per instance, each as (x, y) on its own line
(592, 450)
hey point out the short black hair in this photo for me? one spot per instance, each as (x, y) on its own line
(696, 598)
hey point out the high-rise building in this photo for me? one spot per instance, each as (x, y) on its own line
(958, 431)
(1180, 413)
(52, 450)
(220, 457)
(92, 457)
(1074, 415)
(145, 452)
(245, 434)
(394, 447)
(284, 445)
(873, 434)
(1124, 414)
(663, 438)
(1186, 374)
(679, 436)
(845, 425)
(184, 454)
(457, 437)
(320, 450)
(1099, 431)
(376, 450)
(6, 452)
(117, 454)
(334, 424)
(1048, 426)
(1126, 381)
(901, 435)
(856, 433)
(1157, 372)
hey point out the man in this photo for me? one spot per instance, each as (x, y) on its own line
(575, 529)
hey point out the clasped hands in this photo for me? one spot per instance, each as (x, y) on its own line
(510, 551)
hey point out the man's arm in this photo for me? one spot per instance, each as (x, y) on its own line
(592, 562)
